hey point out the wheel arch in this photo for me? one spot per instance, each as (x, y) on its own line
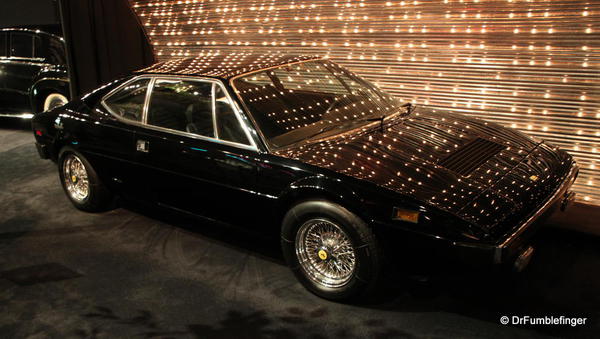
(61, 142)
(66, 148)
(320, 188)
(43, 87)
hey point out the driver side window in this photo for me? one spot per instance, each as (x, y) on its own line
(184, 106)
(196, 107)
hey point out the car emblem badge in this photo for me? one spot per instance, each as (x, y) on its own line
(534, 178)
(322, 254)
(73, 178)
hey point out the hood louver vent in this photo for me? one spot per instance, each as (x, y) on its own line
(470, 156)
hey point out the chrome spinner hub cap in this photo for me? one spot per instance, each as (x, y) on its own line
(76, 178)
(325, 253)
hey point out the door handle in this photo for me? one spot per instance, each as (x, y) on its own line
(142, 146)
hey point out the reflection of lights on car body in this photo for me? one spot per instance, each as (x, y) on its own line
(300, 144)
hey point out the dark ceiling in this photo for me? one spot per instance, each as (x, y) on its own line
(31, 13)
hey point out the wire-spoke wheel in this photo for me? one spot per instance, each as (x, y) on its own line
(81, 182)
(332, 251)
(76, 178)
(325, 252)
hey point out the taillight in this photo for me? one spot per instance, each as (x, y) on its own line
(38, 132)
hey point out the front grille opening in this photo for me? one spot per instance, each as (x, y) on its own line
(470, 156)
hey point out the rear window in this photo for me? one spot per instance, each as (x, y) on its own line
(56, 52)
(21, 45)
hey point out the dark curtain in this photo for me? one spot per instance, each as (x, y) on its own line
(105, 41)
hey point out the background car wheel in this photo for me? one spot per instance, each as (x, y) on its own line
(54, 100)
(332, 252)
(81, 183)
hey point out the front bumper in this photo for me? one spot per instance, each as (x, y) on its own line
(513, 246)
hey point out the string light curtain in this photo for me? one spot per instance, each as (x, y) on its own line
(533, 65)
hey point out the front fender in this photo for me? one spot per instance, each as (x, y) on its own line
(319, 186)
(375, 206)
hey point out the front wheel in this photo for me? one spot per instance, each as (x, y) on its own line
(332, 252)
(81, 183)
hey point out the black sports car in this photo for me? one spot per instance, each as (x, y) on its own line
(343, 170)
(33, 73)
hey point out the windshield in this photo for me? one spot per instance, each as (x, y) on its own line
(296, 102)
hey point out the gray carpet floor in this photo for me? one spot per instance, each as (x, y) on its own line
(140, 272)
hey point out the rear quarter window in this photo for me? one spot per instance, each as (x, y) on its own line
(128, 101)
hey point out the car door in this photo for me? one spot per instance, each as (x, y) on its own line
(199, 156)
(20, 70)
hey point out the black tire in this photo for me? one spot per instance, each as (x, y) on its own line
(368, 257)
(99, 198)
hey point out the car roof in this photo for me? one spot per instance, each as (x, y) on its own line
(223, 65)
(29, 30)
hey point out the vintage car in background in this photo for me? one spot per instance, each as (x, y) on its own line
(33, 73)
(342, 170)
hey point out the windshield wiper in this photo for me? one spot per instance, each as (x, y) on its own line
(380, 119)
(322, 130)
(409, 108)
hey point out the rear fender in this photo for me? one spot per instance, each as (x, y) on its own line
(45, 86)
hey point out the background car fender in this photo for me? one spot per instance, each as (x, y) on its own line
(44, 86)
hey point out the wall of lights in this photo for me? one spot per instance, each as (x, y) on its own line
(533, 65)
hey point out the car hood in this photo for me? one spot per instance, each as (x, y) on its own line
(422, 156)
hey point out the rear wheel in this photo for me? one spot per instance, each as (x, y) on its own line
(81, 183)
(332, 252)
(54, 100)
